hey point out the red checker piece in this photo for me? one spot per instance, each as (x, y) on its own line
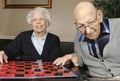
(9, 75)
(2, 74)
(12, 63)
(40, 74)
(12, 67)
(28, 66)
(4, 68)
(29, 75)
(11, 70)
(29, 72)
(35, 66)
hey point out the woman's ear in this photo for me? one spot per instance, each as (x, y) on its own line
(47, 23)
(100, 15)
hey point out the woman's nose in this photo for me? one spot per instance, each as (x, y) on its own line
(38, 21)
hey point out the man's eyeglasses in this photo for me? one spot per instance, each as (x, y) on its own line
(89, 24)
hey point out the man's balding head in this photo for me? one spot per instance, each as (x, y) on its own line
(85, 4)
(84, 7)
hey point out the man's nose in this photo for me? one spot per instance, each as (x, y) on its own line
(88, 31)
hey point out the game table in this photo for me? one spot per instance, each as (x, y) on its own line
(36, 71)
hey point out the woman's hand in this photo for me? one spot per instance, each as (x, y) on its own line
(3, 57)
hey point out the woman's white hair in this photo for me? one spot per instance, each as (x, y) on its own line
(44, 11)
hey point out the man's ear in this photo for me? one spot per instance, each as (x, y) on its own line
(100, 15)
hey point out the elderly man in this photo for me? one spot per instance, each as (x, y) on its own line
(97, 42)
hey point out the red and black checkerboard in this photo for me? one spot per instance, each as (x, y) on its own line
(28, 69)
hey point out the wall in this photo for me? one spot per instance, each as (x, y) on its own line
(13, 21)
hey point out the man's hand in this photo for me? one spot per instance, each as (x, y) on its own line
(63, 60)
(3, 57)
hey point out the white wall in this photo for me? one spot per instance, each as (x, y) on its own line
(13, 21)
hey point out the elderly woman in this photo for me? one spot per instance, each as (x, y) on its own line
(36, 44)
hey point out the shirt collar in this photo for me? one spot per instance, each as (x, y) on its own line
(42, 38)
(105, 29)
(105, 26)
